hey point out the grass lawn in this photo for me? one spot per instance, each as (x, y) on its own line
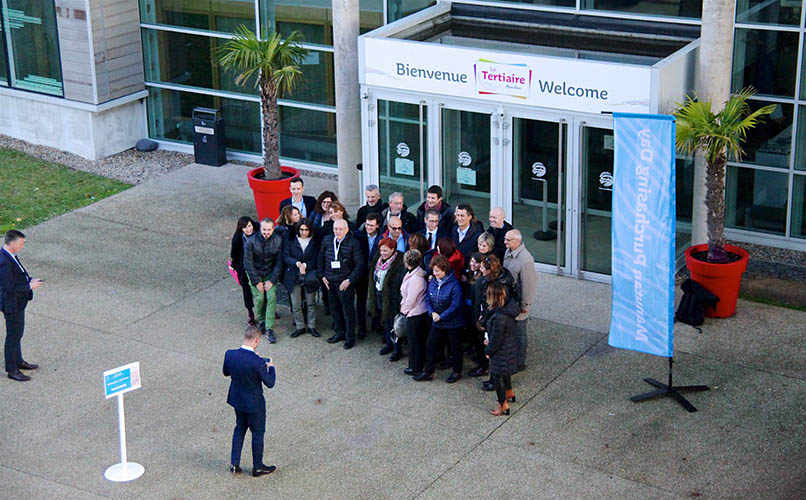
(33, 190)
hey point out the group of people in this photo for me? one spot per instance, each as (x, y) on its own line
(434, 279)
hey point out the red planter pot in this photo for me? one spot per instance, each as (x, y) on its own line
(269, 194)
(723, 280)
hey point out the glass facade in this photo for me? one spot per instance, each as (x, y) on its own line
(765, 188)
(30, 56)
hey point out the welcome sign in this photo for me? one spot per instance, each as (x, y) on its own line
(643, 229)
(544, 81)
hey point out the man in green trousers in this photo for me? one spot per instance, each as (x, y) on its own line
(263, 263)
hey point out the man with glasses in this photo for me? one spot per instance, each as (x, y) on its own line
(519, 262)
(341, 265)
(434, 229)
(395, 231)
(368, 238)
(398, 208)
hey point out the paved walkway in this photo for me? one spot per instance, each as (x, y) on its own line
(141, 277)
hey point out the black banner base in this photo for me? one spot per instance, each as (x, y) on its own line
(670, 390)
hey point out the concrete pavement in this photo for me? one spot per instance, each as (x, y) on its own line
(141, 277)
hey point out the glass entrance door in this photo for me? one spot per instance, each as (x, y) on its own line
(402, 150)
(596, 198)
(539, 166)
(466, 159)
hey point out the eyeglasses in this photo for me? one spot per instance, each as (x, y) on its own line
(396, 228)
(304, 229)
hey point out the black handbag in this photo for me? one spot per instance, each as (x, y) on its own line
(310, 281)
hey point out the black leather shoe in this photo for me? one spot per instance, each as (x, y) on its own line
(263, 470)
(262, 327)
(348, 345)
(423, 377)
(270, 335)
(296, 333)
(28, 366)
(385, 350)
(334, 339)
(408, 371)
(314, 333)
(19, 376)
(395, 357)
(478, 371)
(235, 469)
(453, 378)
(487, 386)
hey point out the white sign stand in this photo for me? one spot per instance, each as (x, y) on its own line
(116, 383)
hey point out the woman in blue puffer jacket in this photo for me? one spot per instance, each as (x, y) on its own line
(444, 304)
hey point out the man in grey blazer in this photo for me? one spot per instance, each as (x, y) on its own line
(519, 262)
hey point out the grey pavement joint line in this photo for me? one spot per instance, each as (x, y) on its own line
(27, 473)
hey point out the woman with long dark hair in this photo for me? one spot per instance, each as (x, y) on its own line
(289, 216)
(299, 256)
(491, 272)
(244, 229)
(502, 346)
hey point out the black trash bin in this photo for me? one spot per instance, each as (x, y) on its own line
(209, 144)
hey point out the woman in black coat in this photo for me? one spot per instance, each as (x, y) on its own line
(502, 346)
(386, 271)
(245, 229)
(299, 257)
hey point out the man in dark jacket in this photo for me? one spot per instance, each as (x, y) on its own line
(434, 228)
(374, 204)
(466, 231)
(341, 265)
(263, 261)
(434, 201)
(498, 228)
(248, 374)
(368, 239)
(305, 204)
(397, 207)
(16, 290)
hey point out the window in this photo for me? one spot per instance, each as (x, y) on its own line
(674, 8)
(765, 60)
(30, 57)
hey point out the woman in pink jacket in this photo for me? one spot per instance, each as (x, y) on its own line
(412, 304)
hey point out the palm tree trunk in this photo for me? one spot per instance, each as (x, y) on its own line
(271, 134)
(713, 84)
(715, 201)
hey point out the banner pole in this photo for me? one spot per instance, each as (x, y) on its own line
(122, 428)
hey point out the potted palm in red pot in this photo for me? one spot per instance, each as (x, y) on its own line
(716, 265)
(274, 62)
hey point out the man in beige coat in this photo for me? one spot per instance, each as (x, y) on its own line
(519, 262)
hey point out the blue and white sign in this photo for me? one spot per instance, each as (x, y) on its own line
(122, 379)
(643, 230)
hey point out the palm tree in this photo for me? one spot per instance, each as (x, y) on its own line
(716, 136)
(275, 62)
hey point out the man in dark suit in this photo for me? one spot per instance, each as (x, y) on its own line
(499, 228)
(368, 239)
(248, 373)
(374, 204)
(16, 290)
(434, 228)
(466, 231)
(434, 201)
(341, 265)
(305, 204)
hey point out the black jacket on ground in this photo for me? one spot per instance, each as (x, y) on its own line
(500, 245)
(263, 258)
(352, 264)
(502, 345)
(470, 243)
(390, 291)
